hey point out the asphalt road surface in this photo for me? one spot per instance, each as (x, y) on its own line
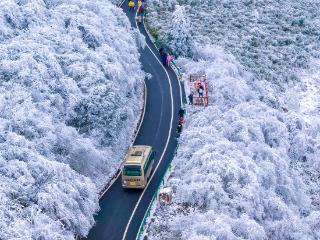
(158, 129)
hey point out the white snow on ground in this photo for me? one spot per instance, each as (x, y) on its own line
(310, 103)
(248, 166)
(245, 168)
(70, 97)
(270, 38)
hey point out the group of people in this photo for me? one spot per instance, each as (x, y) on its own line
(140, 9)
(165, 57)
(199, 88)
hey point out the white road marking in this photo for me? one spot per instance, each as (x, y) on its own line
(167, 142)
(142, 118)
(165, 148)
(180, 88)
(121, 3)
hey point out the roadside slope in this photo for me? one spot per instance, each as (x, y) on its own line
(70, 96)
(239, 170)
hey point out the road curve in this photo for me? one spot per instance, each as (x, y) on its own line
(119, 206)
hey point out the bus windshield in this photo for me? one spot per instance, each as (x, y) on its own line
(132, 170)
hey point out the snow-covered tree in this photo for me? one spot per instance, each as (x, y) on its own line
(179, 38)
(247, 166)
(70, 90)
(245, 169)
(270, 38)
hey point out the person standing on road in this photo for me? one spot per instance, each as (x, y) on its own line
(179, 129)
(180, 120)
(139, 4)
(181, 112)
(161, 51)
(180, 123)
(142, 9)
(169, 58)
(139, 18)
(131, 5)
(164, 58)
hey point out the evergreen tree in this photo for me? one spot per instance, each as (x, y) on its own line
(179, 36)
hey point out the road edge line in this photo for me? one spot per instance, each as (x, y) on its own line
(118, 172)
(151, 38)
(181, 103)
(167, 142)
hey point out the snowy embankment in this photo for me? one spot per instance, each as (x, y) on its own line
(235, 175)
(248, 165)
(270, 38)
(70, 96)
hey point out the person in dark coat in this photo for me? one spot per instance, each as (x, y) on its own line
(141, 9)
(164, 59)
(201, 89)
(190, 98)
(181, 112)
(161, 51)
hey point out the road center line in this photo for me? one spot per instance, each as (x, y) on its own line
(165, 148)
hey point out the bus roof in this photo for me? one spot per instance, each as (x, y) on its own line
(137, 154)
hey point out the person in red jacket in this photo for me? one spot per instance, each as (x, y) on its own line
(180, 121)
(169, 58)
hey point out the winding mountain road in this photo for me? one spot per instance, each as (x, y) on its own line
(122, 210)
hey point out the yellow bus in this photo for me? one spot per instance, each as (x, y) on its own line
(137, 167)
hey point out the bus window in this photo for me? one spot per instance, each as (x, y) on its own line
(146, 166)
(132, 170)
(148, 162)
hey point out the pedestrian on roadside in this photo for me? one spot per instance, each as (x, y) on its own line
(161, 51)
(180, 120)
(179, 129)
(190, 98)
(139, 18)
(169, 58)
(181, 112)
(131, 5)
(142, 9)
(164, 58)
(139, 4)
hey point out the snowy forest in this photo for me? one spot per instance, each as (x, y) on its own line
(71, 92)
(248, 165)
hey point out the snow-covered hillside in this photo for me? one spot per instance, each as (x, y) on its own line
(70, 97)
(245, 169)
(248, 166)
(269, 38)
